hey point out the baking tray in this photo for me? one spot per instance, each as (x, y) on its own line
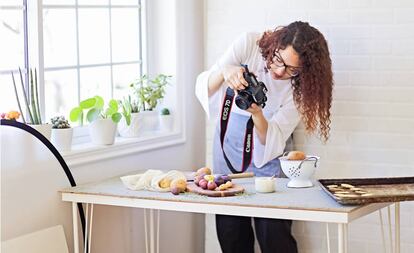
(392, 189)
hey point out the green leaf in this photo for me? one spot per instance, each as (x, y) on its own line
(99, 102)
(109, 111)
(87, 103)
(113, 105)
(75, 114)
(37, 105)
(112, 108)
(33, 101)
(128, 119)
(116, 117)
(93, 114)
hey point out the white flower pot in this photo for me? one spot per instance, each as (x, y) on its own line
(150, 121)
(44, 129)
(166, 123)
(134, 129)
(102, 131)
(62, 138)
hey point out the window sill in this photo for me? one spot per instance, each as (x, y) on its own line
(87, 152)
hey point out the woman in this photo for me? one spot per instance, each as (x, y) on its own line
(294, 64)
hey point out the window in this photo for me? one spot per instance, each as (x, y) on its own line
(13, 48)
(88, 47)
(84, 48)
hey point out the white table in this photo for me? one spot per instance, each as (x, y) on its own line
(305, 204)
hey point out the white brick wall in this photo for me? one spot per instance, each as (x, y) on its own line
(372, 48)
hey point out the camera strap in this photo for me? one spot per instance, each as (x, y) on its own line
(248, 136)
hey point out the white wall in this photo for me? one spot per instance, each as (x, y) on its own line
(371, 44)
(30, 176)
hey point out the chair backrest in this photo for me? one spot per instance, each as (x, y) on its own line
(49, 240)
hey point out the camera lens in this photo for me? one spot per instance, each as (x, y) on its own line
(244, 100)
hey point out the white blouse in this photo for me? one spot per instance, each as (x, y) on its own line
(280, 110)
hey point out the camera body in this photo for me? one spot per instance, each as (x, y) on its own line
(255, 92)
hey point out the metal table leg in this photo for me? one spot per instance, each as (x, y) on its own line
(328, 239)
(90, 230)
(397, 227)
(75, 227)
(342, 238)
(151, 235)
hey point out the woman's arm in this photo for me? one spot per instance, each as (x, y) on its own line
(279, 127)
(260, 122)
(214, 82)
(232, 75)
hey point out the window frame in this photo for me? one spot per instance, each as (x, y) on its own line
(82, 150)
(80, 134)
(23, 8)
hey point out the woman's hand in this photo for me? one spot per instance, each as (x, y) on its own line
(259, 121)
(254, 109)
(233, 76)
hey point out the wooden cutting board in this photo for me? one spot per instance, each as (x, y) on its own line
(191, 187)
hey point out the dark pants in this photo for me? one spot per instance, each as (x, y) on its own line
(235, 234)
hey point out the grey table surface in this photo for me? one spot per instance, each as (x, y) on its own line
(311, 198)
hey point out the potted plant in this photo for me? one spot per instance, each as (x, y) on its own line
(61, 133)
(31, 103)
(149, 93)
(166, 120)
(131, 123)
(103, 122)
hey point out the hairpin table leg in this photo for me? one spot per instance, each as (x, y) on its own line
(342, 238)
(75, 227)
(397, 227)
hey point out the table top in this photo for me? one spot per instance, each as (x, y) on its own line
(310, 203)
(311, 198)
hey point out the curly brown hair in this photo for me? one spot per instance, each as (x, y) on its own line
(312, 88)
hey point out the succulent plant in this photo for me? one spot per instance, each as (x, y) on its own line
(59, 122)
(165, 111)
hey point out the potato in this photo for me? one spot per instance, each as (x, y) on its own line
(219, 180)
(225, 186)
(296, 155)
(211, 185)
(165, 183)
(209, 177)
(181, 184)
(229, 184)
(222, 187)
(205, 170)
(175, 190)
(203, 183)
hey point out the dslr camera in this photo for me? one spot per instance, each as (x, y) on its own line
(255, 92)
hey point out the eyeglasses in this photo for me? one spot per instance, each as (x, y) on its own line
(278, 61)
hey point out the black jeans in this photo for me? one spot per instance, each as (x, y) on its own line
(235, 234)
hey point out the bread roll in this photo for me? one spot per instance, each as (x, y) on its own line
(165, 183)
(296, 155)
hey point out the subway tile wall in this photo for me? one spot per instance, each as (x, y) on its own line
(371, 44)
